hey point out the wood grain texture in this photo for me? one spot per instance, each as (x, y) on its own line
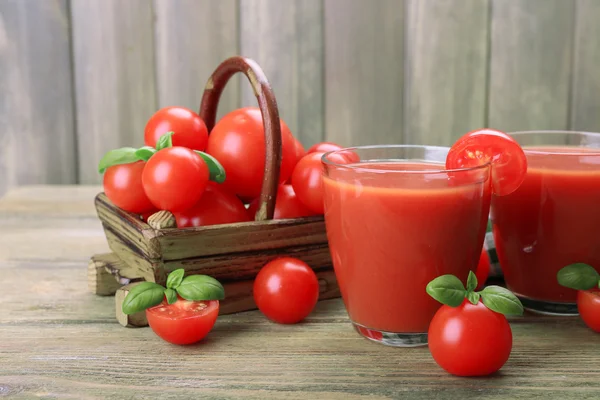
(585, 102)
(286, 40)
(192, 38)
(36, 97)
(446, 69)
(113, 58)
(364, 70)
(60, 341)
(530, 64)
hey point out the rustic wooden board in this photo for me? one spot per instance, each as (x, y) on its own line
(446, 69)
(113, 59)
(531, 48)
(585, 102)
(60, 341)
(364, 70)
(286, 39)
(192, 38)
(36, 97)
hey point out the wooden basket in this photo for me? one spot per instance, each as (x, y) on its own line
(231, 253)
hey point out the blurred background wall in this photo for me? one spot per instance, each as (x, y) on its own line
(79, 77)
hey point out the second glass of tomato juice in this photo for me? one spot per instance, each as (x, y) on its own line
(395, 220)
(552, 220)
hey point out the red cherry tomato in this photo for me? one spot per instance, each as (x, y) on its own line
(189, 130)
(123, 186)
(287, 205)
(323, 147)
(588, 304)
(238, 142)
(286, 290)
(307, 182)
(215, 207)
(300, 152)
(175, 178)
(469, 340)
(183, 322)
(483, 269)
(509, 163)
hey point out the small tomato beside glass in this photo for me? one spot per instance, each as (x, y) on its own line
(483, 268)
(307, 182)
(586, 280)
(287, 205)
(286, 290)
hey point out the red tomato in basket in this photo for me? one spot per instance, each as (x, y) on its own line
(308, 183)
(300, 152)
(588, 304)
(123, 186)
(183, 322)
(323, 147)
(286, 290)
(189, 130)
(469, 340)
(215, 207)
(238, 142)
(175, 178)
(287, 205)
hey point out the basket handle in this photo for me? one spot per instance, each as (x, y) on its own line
(270, 115)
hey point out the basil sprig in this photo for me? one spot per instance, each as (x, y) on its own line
(127, 155)
(578, 276)
(193, 287)
(449, 290)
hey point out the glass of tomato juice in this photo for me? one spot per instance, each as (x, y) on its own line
(395, 220)
(552, 219)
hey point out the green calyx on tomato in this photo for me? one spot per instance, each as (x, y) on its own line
(578, 276)
(127, 155)
(192, 287)
(449, 290)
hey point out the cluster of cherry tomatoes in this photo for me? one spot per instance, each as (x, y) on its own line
(175, 177)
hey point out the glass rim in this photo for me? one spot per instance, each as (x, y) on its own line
(559, 132)
(357, 167)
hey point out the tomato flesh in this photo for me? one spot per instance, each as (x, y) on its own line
(588, 305)
(215, 207)
(483, 269)
(469, 340)
(286, 290)
(508, 161)
(123, 186)
(189, 130)
(183, 322)
(175, 178)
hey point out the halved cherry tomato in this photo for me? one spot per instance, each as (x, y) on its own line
(483, 269)
(183, 322)
(588, 305)
(238, 142)
(287, 205)
(175, 178)
(189, 129)
(286, 290)
(123, 186)
(323, 147)
(509, 163)
(307, 182)
(469, 340)
(215, 207)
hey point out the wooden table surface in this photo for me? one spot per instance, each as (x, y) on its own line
(57, 340)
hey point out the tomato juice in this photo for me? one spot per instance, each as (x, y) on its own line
(393, 227)
(551, 221)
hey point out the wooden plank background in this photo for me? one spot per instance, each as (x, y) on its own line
(78, 77)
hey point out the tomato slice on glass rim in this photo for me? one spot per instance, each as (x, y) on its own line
(507, 158)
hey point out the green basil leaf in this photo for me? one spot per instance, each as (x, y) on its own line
(124, 155)
(174, 279)
(171, 296)
(165, 141)
(447, 289)
(142, 296)
(473, 297)
(216, 170)
(145, 153)
(501, 300)
(471, 282)
(201, 287)
(578, 276)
